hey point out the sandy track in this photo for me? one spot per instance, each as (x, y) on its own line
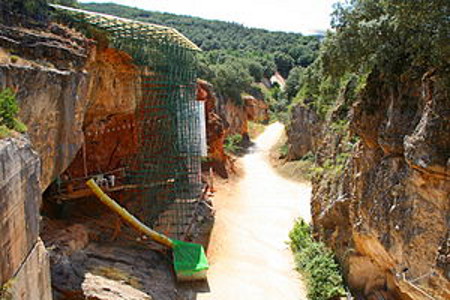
(248, 252)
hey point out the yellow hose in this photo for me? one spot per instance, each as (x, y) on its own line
(127, 217)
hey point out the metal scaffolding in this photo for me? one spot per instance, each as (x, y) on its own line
(165, 171)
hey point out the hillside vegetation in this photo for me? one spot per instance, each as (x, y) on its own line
(234, 57)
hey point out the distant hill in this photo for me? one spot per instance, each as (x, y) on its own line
(235, 58)
(219, 35)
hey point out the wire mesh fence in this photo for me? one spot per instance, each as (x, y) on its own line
(165, 170)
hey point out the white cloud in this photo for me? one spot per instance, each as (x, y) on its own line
(305, 16)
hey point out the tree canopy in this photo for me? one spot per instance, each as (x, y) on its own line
(394, 37)
(230, 49)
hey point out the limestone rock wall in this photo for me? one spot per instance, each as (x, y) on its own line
(385, 212)
(51, 84)
(71, 91)
(24, 266)
(303, 132)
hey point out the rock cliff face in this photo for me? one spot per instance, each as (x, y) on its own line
(385, 211)
(47, 72)
(223, 118)
(24, 265)
(71, 93)
(109, 123)
(303, 132)
(238, 116)
(216, 130)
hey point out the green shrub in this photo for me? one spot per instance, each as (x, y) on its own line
(8, 108)
(284, 150)
(4, 133)
(8, 113)
(14, 59)
(309, 157)
(233, 143)
(19, 126)
(316, 262)
(300, 236)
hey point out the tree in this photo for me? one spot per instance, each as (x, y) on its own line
(284, 63)
(256, 70)
(392, 35)
(293, 82)
(231, 80)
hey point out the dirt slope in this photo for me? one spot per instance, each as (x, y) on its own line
(248, 252)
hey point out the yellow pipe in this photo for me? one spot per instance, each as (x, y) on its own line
(127, 217)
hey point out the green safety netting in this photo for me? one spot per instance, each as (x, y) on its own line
(165, 169)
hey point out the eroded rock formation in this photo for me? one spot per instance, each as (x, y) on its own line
(216, 130)
(385, 212)
(109, 124)
(238, 116)
(71, 92)
(303, 132)
(46, 70)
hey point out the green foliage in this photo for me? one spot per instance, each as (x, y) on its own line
(309, 157)
(19, 126)
(5, 289)
(233, 143)
(293, 82)
(234, 56)
(391, 35)
(226, 45)
(255, 129)
(284, 63)
(283, 150)
(4, 132)
(14, 59)
(316, 263)
(8, 113)
(231, 80)
(256, 70)
(23, 11)
(257, 91)
(215, 35)
(8, 108)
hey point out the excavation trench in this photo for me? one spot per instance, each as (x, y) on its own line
(94, 255)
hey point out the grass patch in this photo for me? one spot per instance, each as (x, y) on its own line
(317, 264)
(5, 290)
(233, 144)
(297, 170)
(4, 133)
(8, 114)
(14, 59)
(255, 129)
(283, 150)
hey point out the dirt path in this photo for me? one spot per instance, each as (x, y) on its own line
(248, 252)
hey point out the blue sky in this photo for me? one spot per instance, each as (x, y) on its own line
(305, 16)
